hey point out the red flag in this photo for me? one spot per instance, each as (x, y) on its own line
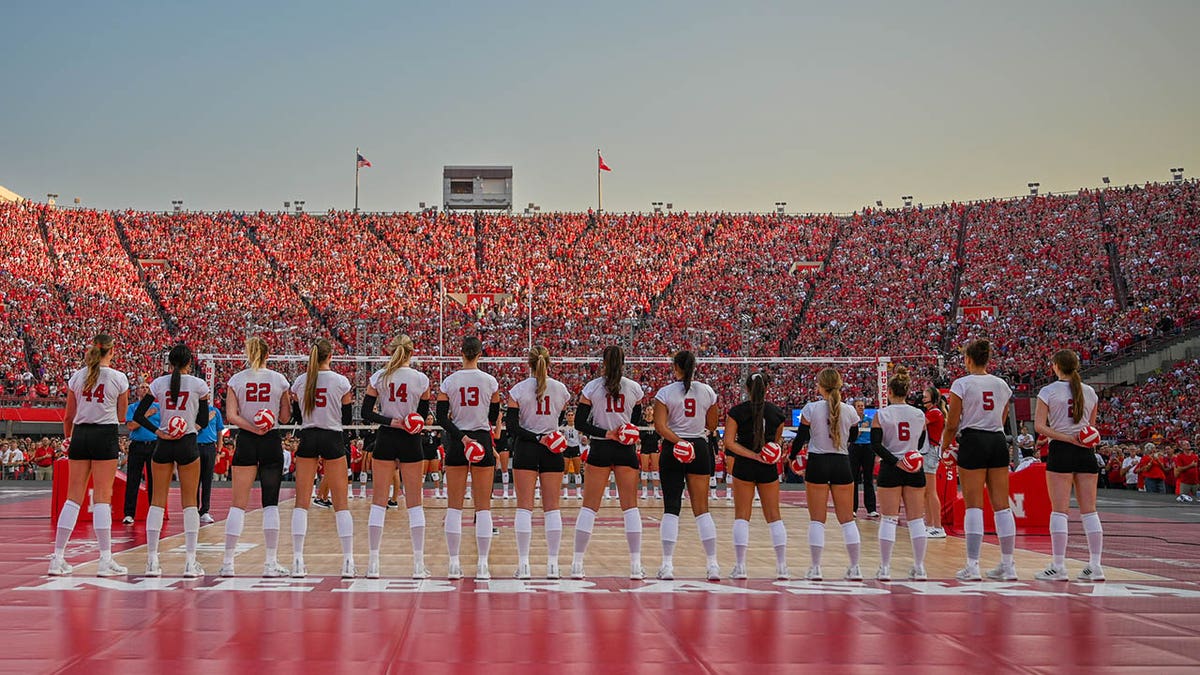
(603, 166)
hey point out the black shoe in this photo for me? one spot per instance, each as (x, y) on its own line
(323, 503)
(393, 504)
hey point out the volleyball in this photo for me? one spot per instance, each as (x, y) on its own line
(771, 452)
(912, 461)
(473, 450)
(555, 442)
(1089, 436)
(413, 424)
(684, 452)
(264, 419)
(627, 434)
(177, 426)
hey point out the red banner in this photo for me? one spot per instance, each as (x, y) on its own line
(978, 312)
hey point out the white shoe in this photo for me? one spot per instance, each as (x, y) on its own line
(782, 573)
(192, 570)
(372, 567)
(482, 573)
(273, 570)
(739, 573)
(637, 572)
(643, 495)
(814, 573)
(728, 496)
(455, 571)
(153, 569)
(109, 568)
(917, 573)
(712, 495)
(207, 519)
(935, 533)
(523, 571)
(713, 572)
(1003, 572)
(577, 571)
(348, 569)
(226, 571)
(666, 572)
(127, 520)
(853, 573)
(1053, 573)
(59, 567)
(421, 572)
(1091, 573)
(874, 515)
(884, 573)
(299, 571)
(607, 493)
(969, 572)
(552, 570)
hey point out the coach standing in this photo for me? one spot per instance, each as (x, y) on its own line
(141, 447)
(209, 443)
(862, 459)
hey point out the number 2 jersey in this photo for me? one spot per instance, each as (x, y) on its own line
(98, 405)
(256, 390)
(185, 405)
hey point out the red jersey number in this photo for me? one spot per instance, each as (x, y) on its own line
(468, 396)
(177, 403)
(258, 392)
(398, 393)
(543, 405)
(902, 431)
(615, 403)
(320, 397)
(989, 402)
(689, 407)
(96, 395)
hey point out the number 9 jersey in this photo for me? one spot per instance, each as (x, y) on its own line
(257, 390)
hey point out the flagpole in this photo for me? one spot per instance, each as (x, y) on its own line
(441, 327)
(530, 303)
(356, 180)
(599, 197)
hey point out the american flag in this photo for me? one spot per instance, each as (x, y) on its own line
(362, 161)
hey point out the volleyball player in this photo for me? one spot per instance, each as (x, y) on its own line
(325, 398)
(935, 422)
(468, 407)
(650, 454)
(1064, 408)
(400, 391)
(431, 440)
(606, 404)
(97, 398)
(825, 426)
(571, 458)
(502, 437)
(897, 430)
(685, 411)
(183, 396)
(259, 452)
(978, 402)
(749, 426)
(535, 406)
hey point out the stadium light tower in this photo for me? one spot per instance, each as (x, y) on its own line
(299, 205)
(1105, 179)
(1033, 188)
(780, 207)
(1177, 174)
(907, 200)
(879, 203)
(658, 206)
(177, 205)
(50, 197)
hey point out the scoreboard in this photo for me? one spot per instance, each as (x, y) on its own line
(477, 187)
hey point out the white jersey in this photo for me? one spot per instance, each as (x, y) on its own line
(99, 405)
(327, 413)
(1057, 398)
(984, 401)
(540, 415)
(185, 405)
(256, 390)
(902, 427)
(470, 393)
(687, 412)
(610, 412)
(401, 392)
(572, 435)
(820, 441)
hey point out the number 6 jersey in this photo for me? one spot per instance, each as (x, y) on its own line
(257, 390)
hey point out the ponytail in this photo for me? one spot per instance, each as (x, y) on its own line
(101, 347)
(539, 362)
(830, 382)
(614, 364)
(180, 357)
(1068, 364)
(256, 353)
(401, 349)
(757, 386)
(320, 353)
(900, 382)
(685, 361)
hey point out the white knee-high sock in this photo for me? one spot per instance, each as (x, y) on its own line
(779, 539)
(299, 530)
(345, 531)
(375, 522)
(887, 539)
(66, 525)
(816, 541)
(668, 532)
(270, 527)
(1095, 537)
(154, 522)
(583, 533)
(453, 529)
(918, 535)
(853, 541)
(191, 531)
(483, 534)
(973, 530)
(708, 536)
(1006, 531)
(102, 524)
(233, 531)
(1058, 538)
(416, 531)
(741, 541)
(523, 527)
(633, 534)
(554, 528)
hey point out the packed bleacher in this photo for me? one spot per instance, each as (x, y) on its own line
(880, 282)
(1164, 408)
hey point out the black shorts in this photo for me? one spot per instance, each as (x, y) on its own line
(183, 451)
(454, 449)
(324, 443)
(752, 470)
(891, 476)
(429, 451)
(828, 469)
(142, 447)
(255, 450)
(1063, 458)
(397, 445)
(702, 465)
(982, 450)
(95, 442)
(571, 452)
(606, 453)
(533, 456)
(650, 444)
